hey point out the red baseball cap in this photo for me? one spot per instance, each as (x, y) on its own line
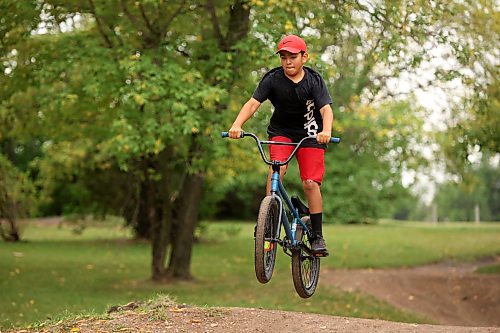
(292, 44)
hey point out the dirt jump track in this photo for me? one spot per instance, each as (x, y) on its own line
(224, 320)
(446, 293)
(454, 296)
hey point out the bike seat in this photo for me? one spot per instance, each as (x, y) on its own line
(303, 209)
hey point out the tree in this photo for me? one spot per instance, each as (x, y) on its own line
(127, 99)
(16, 199)
(473, 35)
(457, 200)
(118, 95)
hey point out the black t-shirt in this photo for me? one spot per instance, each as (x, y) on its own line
(296, 105)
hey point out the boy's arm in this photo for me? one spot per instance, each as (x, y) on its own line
(327, 115)
(246, 112)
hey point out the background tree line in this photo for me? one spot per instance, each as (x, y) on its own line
(115, 107)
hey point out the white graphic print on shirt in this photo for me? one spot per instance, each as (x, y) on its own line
(310, 123)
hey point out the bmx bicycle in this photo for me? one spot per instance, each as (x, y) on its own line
(279, 209)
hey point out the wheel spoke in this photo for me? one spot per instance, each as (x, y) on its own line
(305, 268)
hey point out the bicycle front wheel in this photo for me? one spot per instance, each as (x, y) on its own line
(305, 267)
(265, 239)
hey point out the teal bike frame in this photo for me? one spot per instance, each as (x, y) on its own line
(279, 193)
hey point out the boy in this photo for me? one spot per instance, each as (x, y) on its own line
(301, 108)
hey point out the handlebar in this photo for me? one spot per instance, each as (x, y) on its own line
(243, 134)
(261, 150)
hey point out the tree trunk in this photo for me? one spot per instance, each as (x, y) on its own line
(159, 243)
(14, 235)
(185, 225)
(10, 215)
(142, 223)
(160, 220)
(155, 210)
(11, 233)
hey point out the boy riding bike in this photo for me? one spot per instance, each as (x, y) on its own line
(301, 108)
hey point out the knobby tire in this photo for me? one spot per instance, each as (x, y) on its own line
(305, 268)
(266, 229)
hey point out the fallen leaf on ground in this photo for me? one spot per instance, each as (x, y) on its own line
(176, 309)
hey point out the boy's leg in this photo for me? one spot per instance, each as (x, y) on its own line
(312, 191)
(315, 202)
(312, 169)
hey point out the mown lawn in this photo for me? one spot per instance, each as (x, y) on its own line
(56, 271)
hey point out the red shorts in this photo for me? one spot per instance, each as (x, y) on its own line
(311, 160)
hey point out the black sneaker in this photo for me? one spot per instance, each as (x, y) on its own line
(318, 246)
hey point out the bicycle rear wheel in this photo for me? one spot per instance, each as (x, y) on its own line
(305, 267)
(265, 239)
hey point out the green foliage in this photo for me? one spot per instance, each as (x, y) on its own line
(159, 106)
(98, 109)
(17, 199)
(476, 117)
(377, 145)
(16, 190)
(134, 91)
(481, 188)
(236, 182)
(23, 17)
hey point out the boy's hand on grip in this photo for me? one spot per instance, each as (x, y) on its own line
(235, 132)
(324, 137)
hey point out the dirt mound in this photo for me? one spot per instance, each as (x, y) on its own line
(447, 293)
(450, 294)
(175, 318)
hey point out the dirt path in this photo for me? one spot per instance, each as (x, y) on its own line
(174, 318)
(446, 293)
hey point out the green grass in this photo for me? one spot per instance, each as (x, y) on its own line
(56, 271)
(400, 244)
(492, 269)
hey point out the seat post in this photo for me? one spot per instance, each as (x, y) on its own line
(275, 177)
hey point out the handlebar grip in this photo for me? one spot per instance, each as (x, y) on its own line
(334, 140)
(226, 134)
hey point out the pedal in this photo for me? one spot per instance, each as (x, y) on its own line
(303, 209)
(321, 254)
